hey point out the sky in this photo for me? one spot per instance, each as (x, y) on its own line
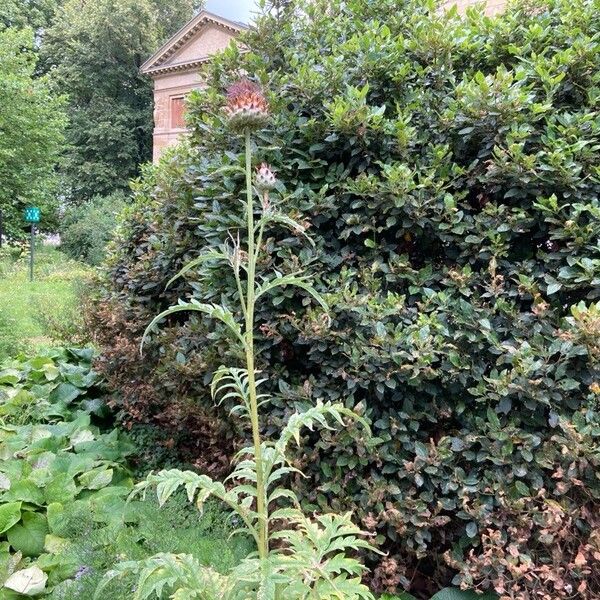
(236, 10)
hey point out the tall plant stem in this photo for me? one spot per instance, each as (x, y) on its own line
(263, 545)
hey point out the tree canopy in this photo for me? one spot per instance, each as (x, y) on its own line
(32, 122)
(36, 14)
(94, 50)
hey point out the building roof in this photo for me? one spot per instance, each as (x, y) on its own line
(156, 63)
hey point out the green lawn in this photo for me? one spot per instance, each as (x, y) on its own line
(36, 314)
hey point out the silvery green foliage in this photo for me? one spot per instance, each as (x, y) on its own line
(320, 542)
(309, 559)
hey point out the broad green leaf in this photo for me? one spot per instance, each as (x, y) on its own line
(10, 377)
(10, 514)
(61, 488)
(24, 490)
(29, 536)
(6, 594)
(54, 544)
(471, 529)
(553, 288)
(65, 393)
(522, 488)
(96, 479)
(51, 372)
(84, 435)
(55, 514)
(83, 354)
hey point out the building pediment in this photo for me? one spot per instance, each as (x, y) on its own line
(193, 44)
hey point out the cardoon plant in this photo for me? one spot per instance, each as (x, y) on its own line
(309, 560)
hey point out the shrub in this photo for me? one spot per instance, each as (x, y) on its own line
(447, 171)
(86, 229)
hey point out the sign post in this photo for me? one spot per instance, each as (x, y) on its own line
(32, 215)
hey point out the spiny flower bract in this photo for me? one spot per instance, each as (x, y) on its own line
(247, 107)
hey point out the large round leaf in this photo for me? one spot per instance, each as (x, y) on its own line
(61, 488)
(96, 478)
(29, 536)
(65, 393)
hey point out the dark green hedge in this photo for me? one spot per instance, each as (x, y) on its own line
(448, 170)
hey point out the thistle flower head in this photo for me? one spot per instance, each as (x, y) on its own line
(265, 178)
(247, 107)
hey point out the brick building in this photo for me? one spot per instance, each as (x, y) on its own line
(174, 67)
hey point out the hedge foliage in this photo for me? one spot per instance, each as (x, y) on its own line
(448, 171)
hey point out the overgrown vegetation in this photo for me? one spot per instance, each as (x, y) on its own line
(64, 482)
(45, 311)
(446, 170)
(32, 122)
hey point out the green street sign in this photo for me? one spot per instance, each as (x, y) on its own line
(32, 214)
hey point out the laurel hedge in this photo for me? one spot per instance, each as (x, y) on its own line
(447, 170)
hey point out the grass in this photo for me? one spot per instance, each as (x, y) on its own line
(175, 528)
(37, 314)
